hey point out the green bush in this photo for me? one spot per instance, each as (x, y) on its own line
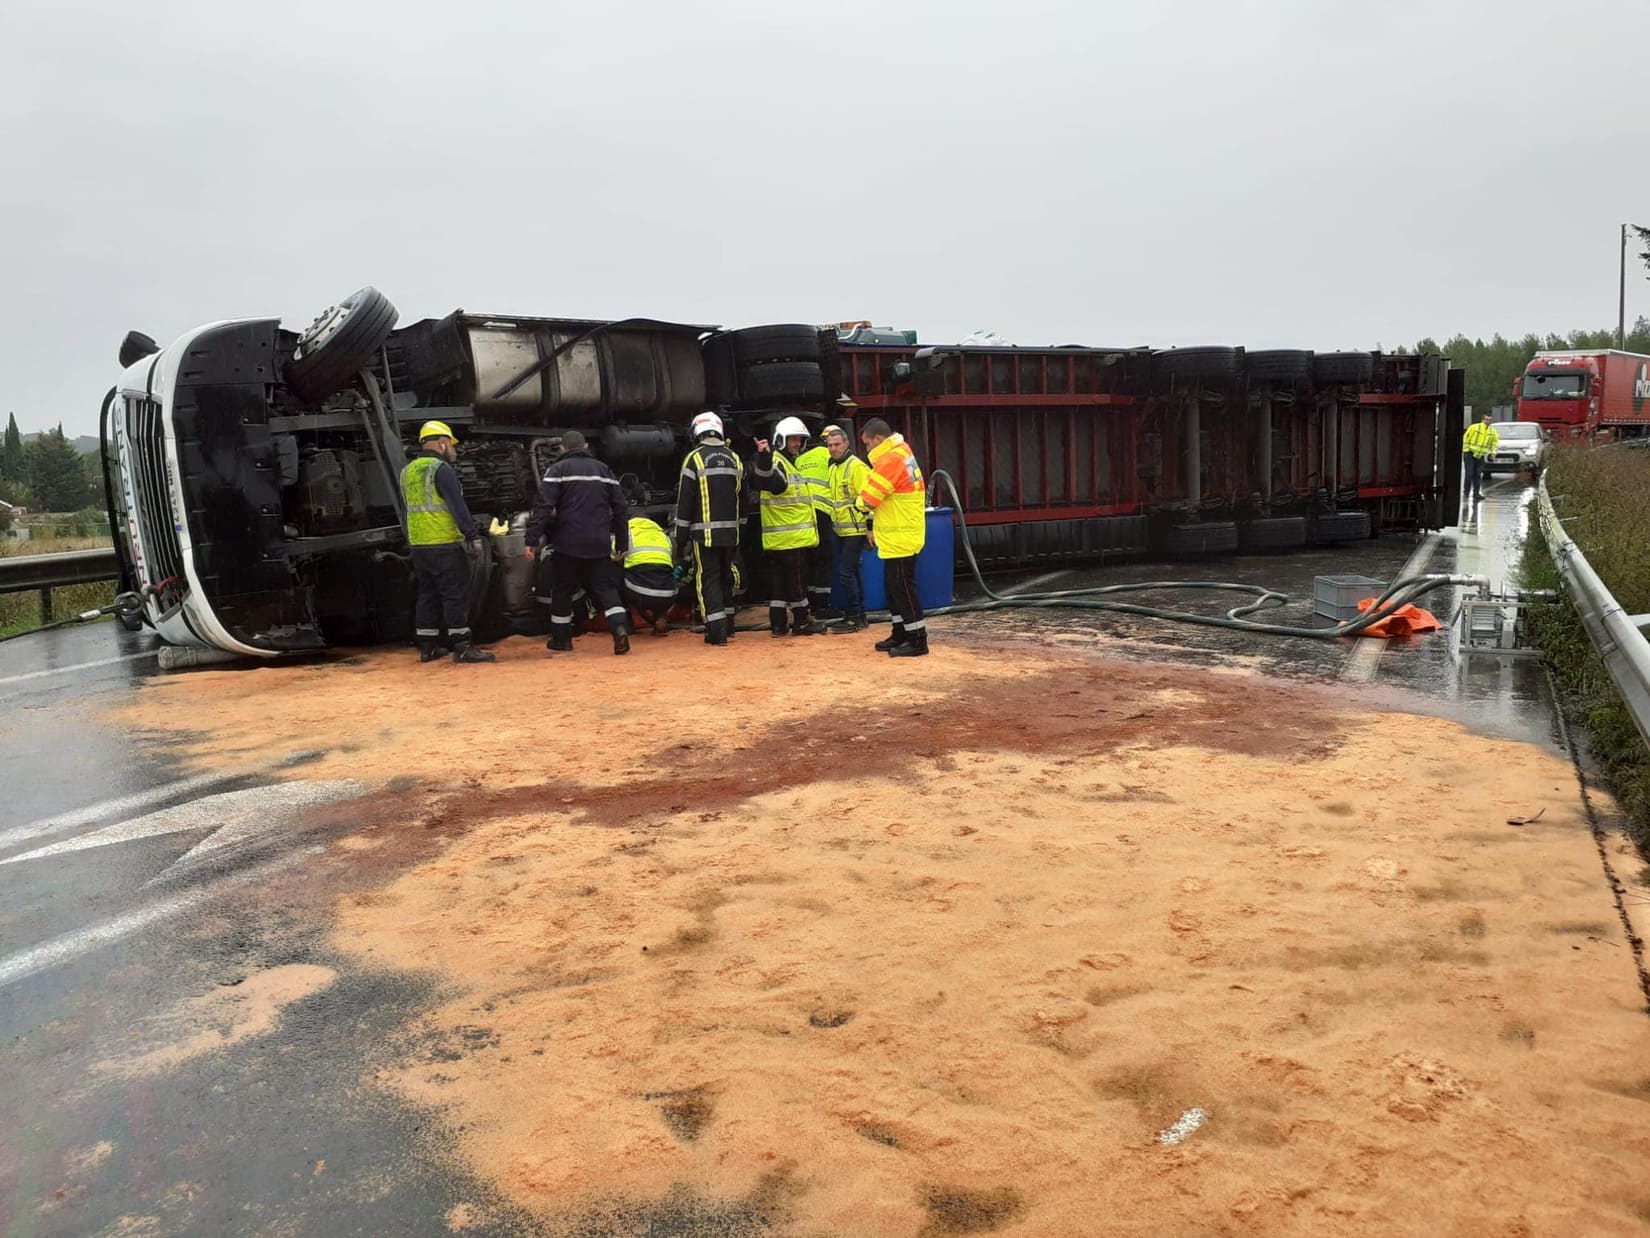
(1603, 497)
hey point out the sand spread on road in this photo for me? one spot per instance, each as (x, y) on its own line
(218, 1019)
(769, 939)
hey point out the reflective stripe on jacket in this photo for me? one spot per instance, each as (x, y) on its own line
(429, 520)
(649, 544)
(842, 487)
(896, 497)
(1480, 439)
(815, 465)
(707, 495)
(787, 504)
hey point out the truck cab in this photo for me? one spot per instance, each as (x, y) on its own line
(1559, 391)
(252, 471)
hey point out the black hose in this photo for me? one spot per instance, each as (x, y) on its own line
(124, 604)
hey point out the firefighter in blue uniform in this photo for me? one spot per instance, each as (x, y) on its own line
(582, 514)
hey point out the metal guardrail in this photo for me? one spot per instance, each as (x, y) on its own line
(22, 573)
(1615, 634)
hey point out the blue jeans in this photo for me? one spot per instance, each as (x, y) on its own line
(847, 574)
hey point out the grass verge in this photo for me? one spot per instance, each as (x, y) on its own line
(1604, 499)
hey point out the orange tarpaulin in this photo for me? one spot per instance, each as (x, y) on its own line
(1405, 621)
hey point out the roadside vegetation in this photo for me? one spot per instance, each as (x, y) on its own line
(1603, 497)
(20, 612)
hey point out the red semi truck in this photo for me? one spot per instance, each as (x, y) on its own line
(1587, 395)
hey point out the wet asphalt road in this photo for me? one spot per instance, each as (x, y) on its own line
(278, 1134)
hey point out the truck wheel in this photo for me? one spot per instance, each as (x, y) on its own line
(1283, 367)
(783, 342)
(338, 344)
(1335, 368)
(1209, 538)
(1338, 527)
(1272, 533)
(721, 374)
(1200, 364)
(797, 382)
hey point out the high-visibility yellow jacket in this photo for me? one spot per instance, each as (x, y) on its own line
(787, 504)
(815, 465)
(430, 520)
(842, 486)
(1480, 439)
(896, 497)
(649, 545)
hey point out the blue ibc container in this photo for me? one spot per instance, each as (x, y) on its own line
(935, 568)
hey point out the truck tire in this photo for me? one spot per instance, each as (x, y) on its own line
(1282, 367)
(795, 382)
(1338, 527)
(1200, 364)
(1336, 368)
(1272, 533)
(1212, 537)
(782, 342)
(721, 374)
(338, 344)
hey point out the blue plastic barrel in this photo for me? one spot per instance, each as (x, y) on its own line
(936, 568)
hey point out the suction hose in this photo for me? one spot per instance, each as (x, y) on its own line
(1401, 593)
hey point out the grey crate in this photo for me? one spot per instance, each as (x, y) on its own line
(1337, 597)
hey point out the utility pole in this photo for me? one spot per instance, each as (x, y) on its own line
(1621, 301)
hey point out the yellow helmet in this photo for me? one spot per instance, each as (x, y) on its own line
(436, 429)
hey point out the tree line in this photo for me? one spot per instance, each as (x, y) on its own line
(45, 474)
(1493, 365)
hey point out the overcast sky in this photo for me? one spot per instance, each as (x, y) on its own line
(1312, 173)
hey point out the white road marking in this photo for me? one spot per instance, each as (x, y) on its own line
(69, 946)
(79, 666)
(232, 816)
(1365, 657)
(117, 809)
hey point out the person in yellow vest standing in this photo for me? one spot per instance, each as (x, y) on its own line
(896, 496)
(789, 531)
(649, 574)
(1478, 444)
(439, 527)
(814, 464)
(849, 524)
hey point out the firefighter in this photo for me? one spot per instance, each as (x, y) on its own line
(789, 531)
(1477, 445)
(849, 524)
(582, 516)
(706, 527)
(649, 576)
(439, 529)
(896, 497)
(814, 464)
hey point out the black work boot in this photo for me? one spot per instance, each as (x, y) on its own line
(621, 640)
(847, 624)
(429, 650)
(469, 653)
(559, 644)
(917, 648)
(894, 639)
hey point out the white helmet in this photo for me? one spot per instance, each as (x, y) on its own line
(706, 423)
(790, 427)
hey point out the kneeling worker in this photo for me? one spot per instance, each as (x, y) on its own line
(649, 574)
(439, 527)
(896, 496)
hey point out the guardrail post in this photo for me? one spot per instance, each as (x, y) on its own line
(46, 604)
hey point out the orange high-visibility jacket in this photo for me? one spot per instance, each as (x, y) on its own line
(896, 497)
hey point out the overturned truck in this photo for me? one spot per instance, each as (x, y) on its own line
(251, 471)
